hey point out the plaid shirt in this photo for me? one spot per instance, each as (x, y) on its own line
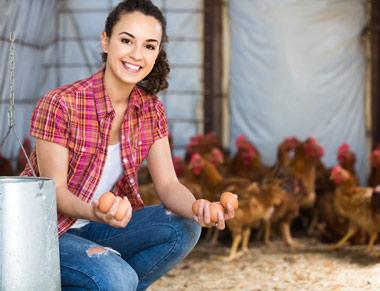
(79, 117)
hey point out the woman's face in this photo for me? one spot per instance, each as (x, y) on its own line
(133, 47)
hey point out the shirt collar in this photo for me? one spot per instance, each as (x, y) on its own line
(102, 101)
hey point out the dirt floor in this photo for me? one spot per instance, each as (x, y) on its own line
(275, 268)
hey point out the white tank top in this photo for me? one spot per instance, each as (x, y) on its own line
(111, 174)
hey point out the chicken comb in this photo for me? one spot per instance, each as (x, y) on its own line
(196, 164)
(311, 140)
(291, 142)
(336, 170)
(195, 158)
(218, 155)
(313, 148)
(241, 140)
(343, 148)
(194, 140)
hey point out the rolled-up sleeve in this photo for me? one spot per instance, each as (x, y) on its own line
(50, 120)
(161, 123)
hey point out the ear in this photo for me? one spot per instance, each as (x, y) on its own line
(104, 41)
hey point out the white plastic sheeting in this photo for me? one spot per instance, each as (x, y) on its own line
(58, 42)
(297, 68)
(32, 23)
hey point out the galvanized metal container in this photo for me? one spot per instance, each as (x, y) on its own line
(29, 254)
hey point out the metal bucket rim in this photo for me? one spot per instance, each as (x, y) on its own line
(22, 179)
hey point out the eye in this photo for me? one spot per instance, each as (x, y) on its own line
(150, 47)
(126, 40)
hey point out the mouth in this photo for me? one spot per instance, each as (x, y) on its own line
(131, 67)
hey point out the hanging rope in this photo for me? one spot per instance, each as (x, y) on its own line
(11, 109)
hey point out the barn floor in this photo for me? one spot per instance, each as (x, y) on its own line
(275, 268)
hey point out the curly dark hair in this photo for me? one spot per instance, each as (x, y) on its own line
(157, 78)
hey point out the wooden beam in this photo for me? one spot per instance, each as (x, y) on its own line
(374, 31)
(213, 66)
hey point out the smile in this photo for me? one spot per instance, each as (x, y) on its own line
(131, 67)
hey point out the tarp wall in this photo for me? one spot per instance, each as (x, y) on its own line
(297, 68)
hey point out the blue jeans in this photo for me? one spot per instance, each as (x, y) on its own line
(133, 258)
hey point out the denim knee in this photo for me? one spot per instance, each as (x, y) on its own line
(120, 279)
(190, 232)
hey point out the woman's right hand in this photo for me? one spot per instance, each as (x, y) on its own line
(110, 216)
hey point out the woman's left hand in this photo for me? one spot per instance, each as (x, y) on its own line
(203, 216)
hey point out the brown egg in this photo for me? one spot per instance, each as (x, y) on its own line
(214, 207)
(120, 213)
(106, 201)
(228, 197)
(196, 205)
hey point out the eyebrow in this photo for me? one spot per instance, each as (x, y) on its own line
(132, 36)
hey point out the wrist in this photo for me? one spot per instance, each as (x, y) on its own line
(88, 212)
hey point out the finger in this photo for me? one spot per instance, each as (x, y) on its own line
(220, 224)
(206, 214)
(115, 206)
(230, 211)
(128, 215)
(202, 204)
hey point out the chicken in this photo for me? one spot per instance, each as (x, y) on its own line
(374, 177)
(202, 144)
(298, 182)
(292, 191)
(331, 224)
(247, 161)
(304, 164)
(347, 160)
(5, 167)
(21, 158)
(286, 152)
(257, 205)
(360, 205)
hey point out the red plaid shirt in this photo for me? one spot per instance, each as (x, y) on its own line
(79, 117)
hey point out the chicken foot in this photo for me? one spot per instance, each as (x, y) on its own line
(287, 236)
(352, 230)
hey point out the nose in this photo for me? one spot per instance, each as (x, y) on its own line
(135, 53)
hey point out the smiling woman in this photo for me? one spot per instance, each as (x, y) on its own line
(91, 138)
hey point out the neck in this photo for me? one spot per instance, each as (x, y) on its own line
(117, 90)
(210, 175)
(306, 171)
(350, 183)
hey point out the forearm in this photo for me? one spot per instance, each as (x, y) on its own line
(70, 205)
(177, 198)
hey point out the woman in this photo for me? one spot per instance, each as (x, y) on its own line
(91, 137)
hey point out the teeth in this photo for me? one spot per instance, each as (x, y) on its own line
(132, 67)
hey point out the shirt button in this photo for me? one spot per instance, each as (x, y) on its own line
(123, 137)
(140, 142)
(125, 160)
(131, 180)
(83, 149)
(138, 196)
